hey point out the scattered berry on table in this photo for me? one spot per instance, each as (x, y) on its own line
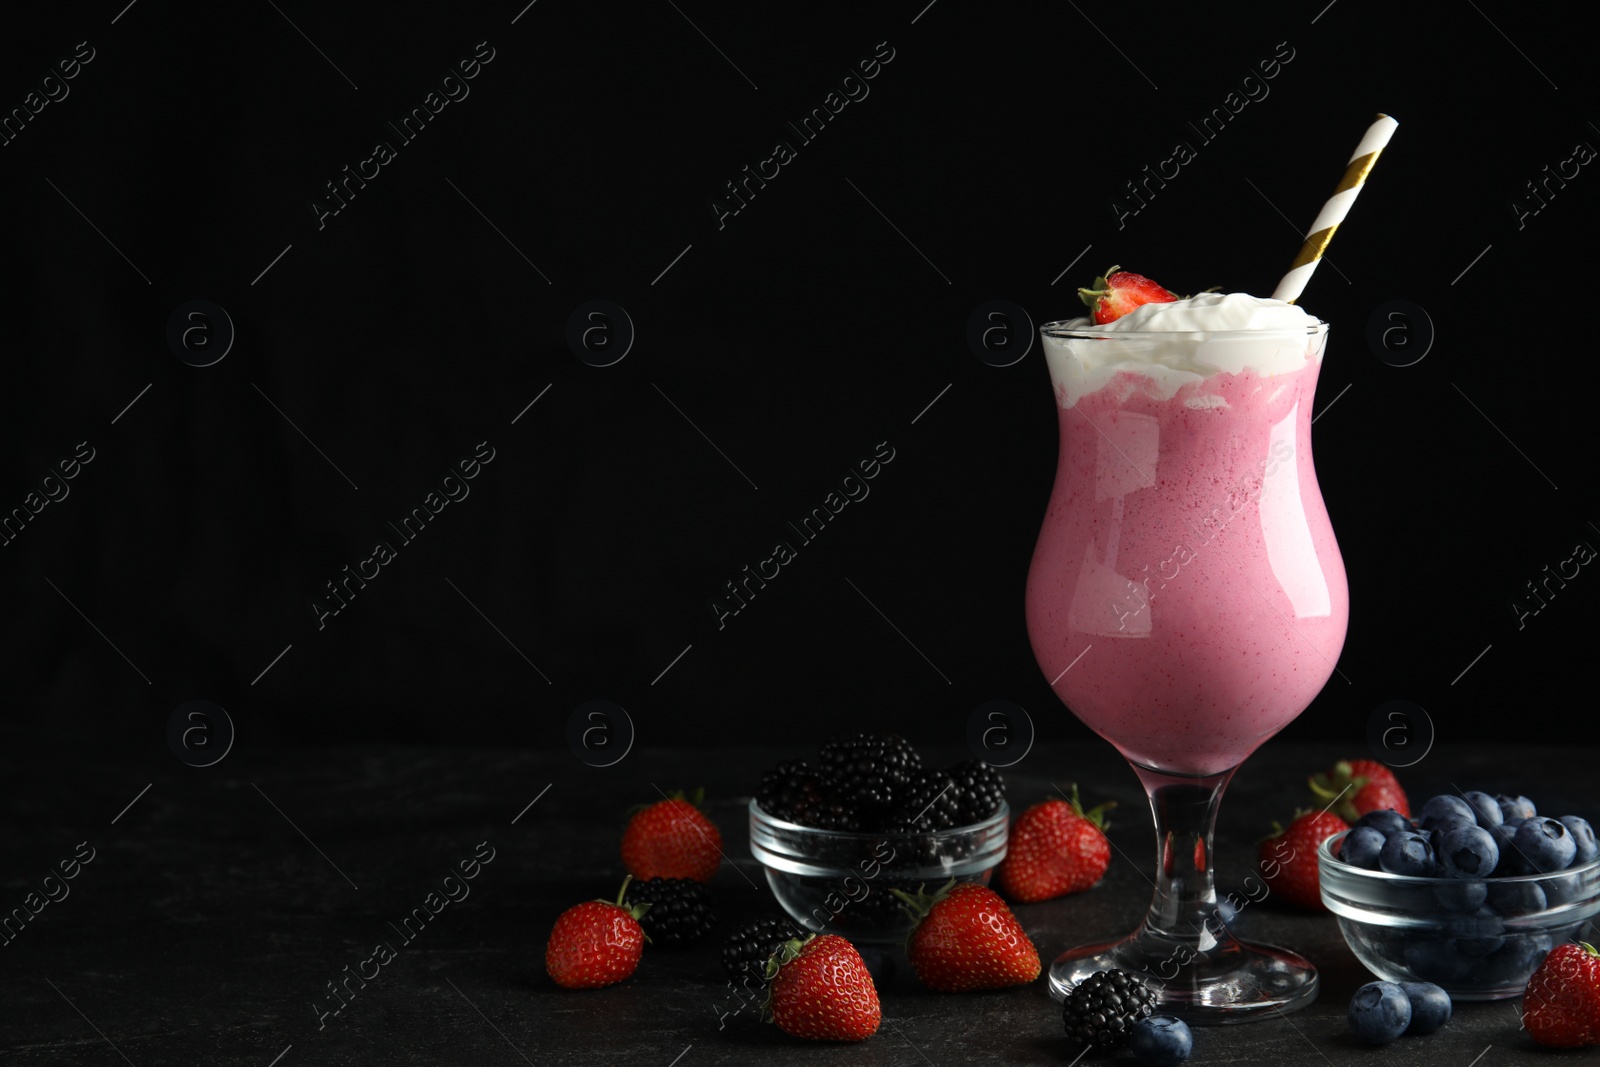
(1379, 1012)
(1055, 848)
(822, 991)
(1161, 1041)
(1288, 859)
(596, 943)
(1102, 1010)
(680, 910)
(966, 938)
(1430, 1006)
(1561, 1006)
(1356, 787)
(672, 839)
(747, 949)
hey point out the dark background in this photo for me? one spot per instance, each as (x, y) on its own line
(796, 338)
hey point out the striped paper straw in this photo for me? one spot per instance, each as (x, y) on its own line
(1337, 207)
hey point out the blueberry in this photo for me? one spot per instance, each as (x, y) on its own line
(1436, 959)
(1446, 804)
(1486, 808)
(1582, 835)
(1477, 934)
(1361, 846)
(1161, 1041)
(1386, 821)
(1562, 889)
(1515, 807)
(1516, 961)
(1467, 852)
(1444, 825)
(1511, 862)
(1407, 852)
(1545, 844)
(1379, 1012)
(1515, 898)
(1430, 1006)
(1462, 895)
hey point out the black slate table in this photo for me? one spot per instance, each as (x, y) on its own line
(220, 903)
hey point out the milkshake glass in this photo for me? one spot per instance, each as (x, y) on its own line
(1187, 600)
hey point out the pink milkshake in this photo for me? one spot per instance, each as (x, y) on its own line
(1186, 596)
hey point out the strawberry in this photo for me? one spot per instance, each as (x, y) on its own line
(1288, 858)
(1055, 848)
(1561, 1007)
(596, 943)
(672, 839)
(1366, 785)
(821, 991)
(966, 938)
(1118, 292)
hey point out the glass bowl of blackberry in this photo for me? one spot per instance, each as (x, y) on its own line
(839, 835)
(1471, 895)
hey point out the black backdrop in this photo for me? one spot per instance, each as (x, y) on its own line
(375, 348)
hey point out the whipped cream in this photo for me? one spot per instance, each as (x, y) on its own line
(1208, 334)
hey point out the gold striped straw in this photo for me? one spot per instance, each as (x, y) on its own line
(1337, 207)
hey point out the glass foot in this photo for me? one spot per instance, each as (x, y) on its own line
(1230, 982)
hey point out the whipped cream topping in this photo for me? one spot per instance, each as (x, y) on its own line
(1208, 334)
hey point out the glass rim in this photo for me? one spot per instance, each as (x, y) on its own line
(1325, 854)
(763, 817)
(1064, 328)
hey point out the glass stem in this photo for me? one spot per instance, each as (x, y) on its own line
(1184, 908)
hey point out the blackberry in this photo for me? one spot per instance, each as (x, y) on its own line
(680, 909)
(880, 908)
(869, 771)
(832, 813)
(745, 953)
(788, 790)
(929, 802)
(795, 792)
(979, 789)
(1102, 1009)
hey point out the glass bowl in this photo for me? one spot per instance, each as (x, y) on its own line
(833, 881)
(1478, 938)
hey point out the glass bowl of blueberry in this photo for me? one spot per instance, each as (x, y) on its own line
(1471, 895)
(838, 836)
